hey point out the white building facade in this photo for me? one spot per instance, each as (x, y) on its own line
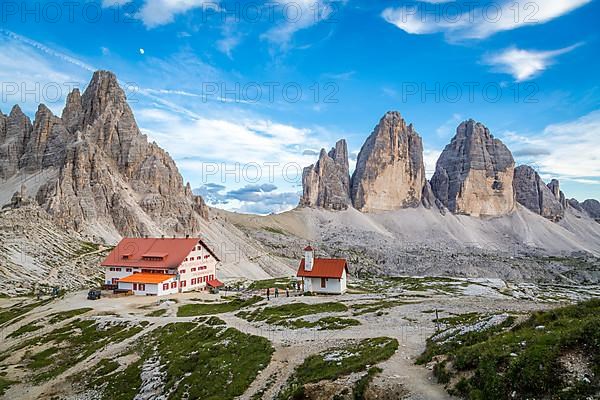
(158, 267)
(322, 275)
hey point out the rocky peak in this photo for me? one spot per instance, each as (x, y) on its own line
(326, 184)
(72, 114)
(15, 135)
(390, 173)
(592, 207)
(474, 173)
(103, 93)
(554, 187)
(532, 193)
(3, 119)
(106, 178)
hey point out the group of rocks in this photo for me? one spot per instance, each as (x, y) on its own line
(475, 175)
(93, 166)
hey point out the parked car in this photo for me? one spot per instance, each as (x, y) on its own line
(94, 294)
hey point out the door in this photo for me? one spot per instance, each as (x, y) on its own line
(323, 283)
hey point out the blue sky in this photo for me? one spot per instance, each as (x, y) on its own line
(244, 93)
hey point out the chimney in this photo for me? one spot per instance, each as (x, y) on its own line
(309, 258)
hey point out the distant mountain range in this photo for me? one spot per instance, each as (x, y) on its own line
(475, 175)
(90, 175)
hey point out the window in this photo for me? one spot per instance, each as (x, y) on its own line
(193, 281)
(323, 283)
(128, 269)
(206, 256)
(173, 285)
(211, 277)
(185, 259)
(135, 286)
(193, 269)
(142, 286)
(183, 284)
(182, 271)
(165, 286)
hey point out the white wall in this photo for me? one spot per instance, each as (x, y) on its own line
(154, 289)
(201, 276)
(332, 285)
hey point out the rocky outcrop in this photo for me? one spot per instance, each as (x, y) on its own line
(592, 207)
(390, 173)
(474, 174)
(532, 193)
(110, 180)
(15, 135)
(554, 186)
(326, 184)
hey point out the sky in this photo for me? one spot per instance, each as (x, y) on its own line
(244, 94)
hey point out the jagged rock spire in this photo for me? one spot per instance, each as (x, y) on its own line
(326, 184)
(474, 174)
(390, 173)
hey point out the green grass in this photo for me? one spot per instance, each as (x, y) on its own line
(363, 383)
(288, 315)
(87, 247)
(223, 363)
(322, 324)
(470, 338)
(70, 345)
(25, 329)
(376, 306)
(4, 384)
(192, 310)
(214, 321)
(61, 316)
(123, 385)
(280, 283)
(16, 311)
(460, 319)
(526, 359)
(334, 363)
(157, 313)
(379, 284)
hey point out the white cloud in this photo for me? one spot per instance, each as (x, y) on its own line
(32, 73)
(299, 15)
(430, 157)
(464, 21)
(448, 128)
(142, 51)
(161, 12)
(114, 3)
(567, 150)
(524, 64)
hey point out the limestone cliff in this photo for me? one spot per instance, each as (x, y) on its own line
(390, 173)
(108, 179)
(326, 184)
(532, 193)
(474, 174)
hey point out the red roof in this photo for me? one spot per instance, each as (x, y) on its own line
(169, 253)
(214, 283)
(146, 278)
(324, 268)
(308, 248)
